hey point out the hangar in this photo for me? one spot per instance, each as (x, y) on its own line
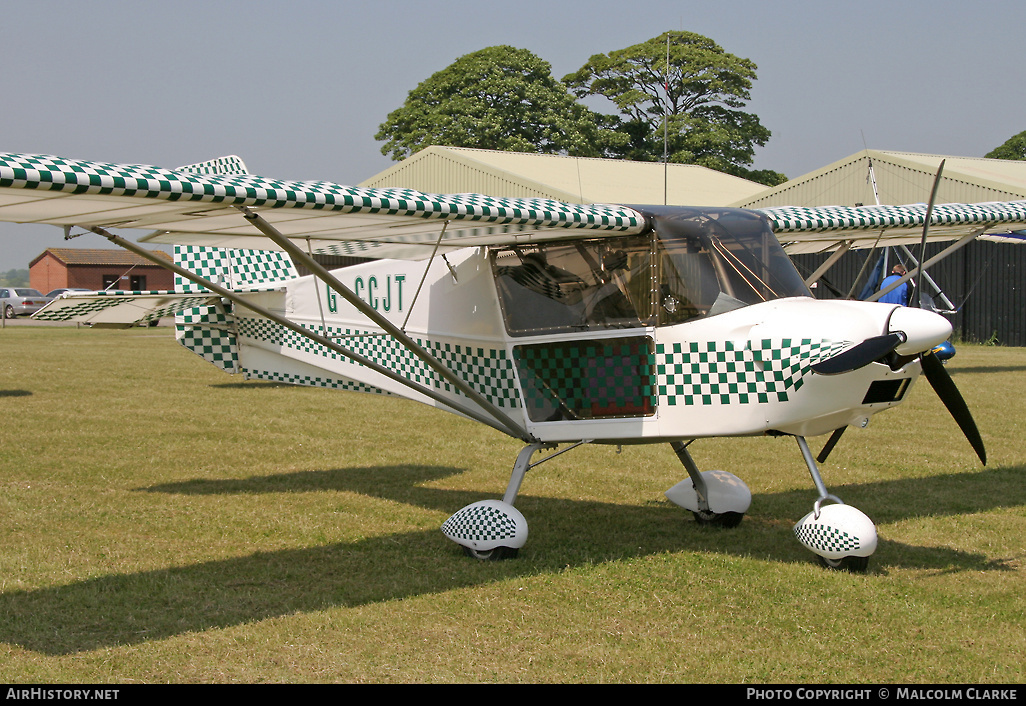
(901, 178)
(458, 170)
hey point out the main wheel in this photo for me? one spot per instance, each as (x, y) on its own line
(9, 312)
(497, 554)
(719, 519)
(851, 564)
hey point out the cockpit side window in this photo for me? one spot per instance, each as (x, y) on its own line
(583, 286)
(696, 263)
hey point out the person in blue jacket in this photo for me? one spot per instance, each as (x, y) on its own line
(902, 294)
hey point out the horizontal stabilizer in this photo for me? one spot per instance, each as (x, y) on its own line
(118, 308)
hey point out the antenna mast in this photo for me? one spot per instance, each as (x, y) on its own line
(666, 108)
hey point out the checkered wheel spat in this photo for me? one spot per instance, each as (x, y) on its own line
(487, 525)
(826, 538)
(837, 531)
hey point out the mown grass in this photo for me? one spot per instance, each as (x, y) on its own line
(163, 522)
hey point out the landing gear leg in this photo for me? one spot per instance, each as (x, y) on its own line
(520, 468)
(817, 479)
(715, 498)
(840, 535)
(493, 529)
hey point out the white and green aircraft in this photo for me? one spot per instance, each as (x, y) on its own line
(554, 323)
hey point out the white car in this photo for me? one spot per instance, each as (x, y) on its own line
(21, 301)
(54, 293)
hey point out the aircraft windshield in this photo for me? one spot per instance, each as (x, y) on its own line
(697, 263)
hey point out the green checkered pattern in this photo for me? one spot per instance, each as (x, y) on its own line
(232, 268)
(480, 523)
(311, 381)
(99, 301)
(725, 373)
(826, 538)
(222, 165)
(210, 184)
(206, 331)
(592, 379)
(797, 219)
(487, 370)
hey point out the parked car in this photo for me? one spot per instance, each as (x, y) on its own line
(54, 293)
(20, 301)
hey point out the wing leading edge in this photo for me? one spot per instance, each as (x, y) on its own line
(823, 229)
(198, 205)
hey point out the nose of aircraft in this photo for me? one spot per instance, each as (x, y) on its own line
(922, 329)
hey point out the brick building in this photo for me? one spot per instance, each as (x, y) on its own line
(97, 269)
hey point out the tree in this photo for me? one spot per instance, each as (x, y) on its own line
(498, 98)
(14, 278)
(1013, 148)
(701, 92)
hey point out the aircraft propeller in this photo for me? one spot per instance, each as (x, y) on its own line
(878, 348)
(860, 355)
(933, 371)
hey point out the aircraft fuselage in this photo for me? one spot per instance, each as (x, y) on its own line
(703, 329)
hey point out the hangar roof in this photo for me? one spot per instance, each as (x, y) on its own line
(94, 256)
(573, 179)
(901, 178)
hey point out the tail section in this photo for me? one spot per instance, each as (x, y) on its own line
(238, 340)
(222, 165)
(211, 331)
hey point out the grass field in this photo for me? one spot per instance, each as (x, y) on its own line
(161, 521)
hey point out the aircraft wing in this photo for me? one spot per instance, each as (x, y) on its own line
(197, 205)
(824, 229)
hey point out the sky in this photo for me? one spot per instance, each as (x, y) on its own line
(299, 88)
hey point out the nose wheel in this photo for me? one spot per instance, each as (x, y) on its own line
(725, 520)
(841, 536)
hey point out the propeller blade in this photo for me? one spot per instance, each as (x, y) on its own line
(859, 355)
(926, 228)
(945, 388)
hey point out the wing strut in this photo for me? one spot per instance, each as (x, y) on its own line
(929, 280)
(321, 273)
(830, 261)
(509, 428)
(965, 240)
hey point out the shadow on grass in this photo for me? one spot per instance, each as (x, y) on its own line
(152, 605)
(399, 483)
(15, 393)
